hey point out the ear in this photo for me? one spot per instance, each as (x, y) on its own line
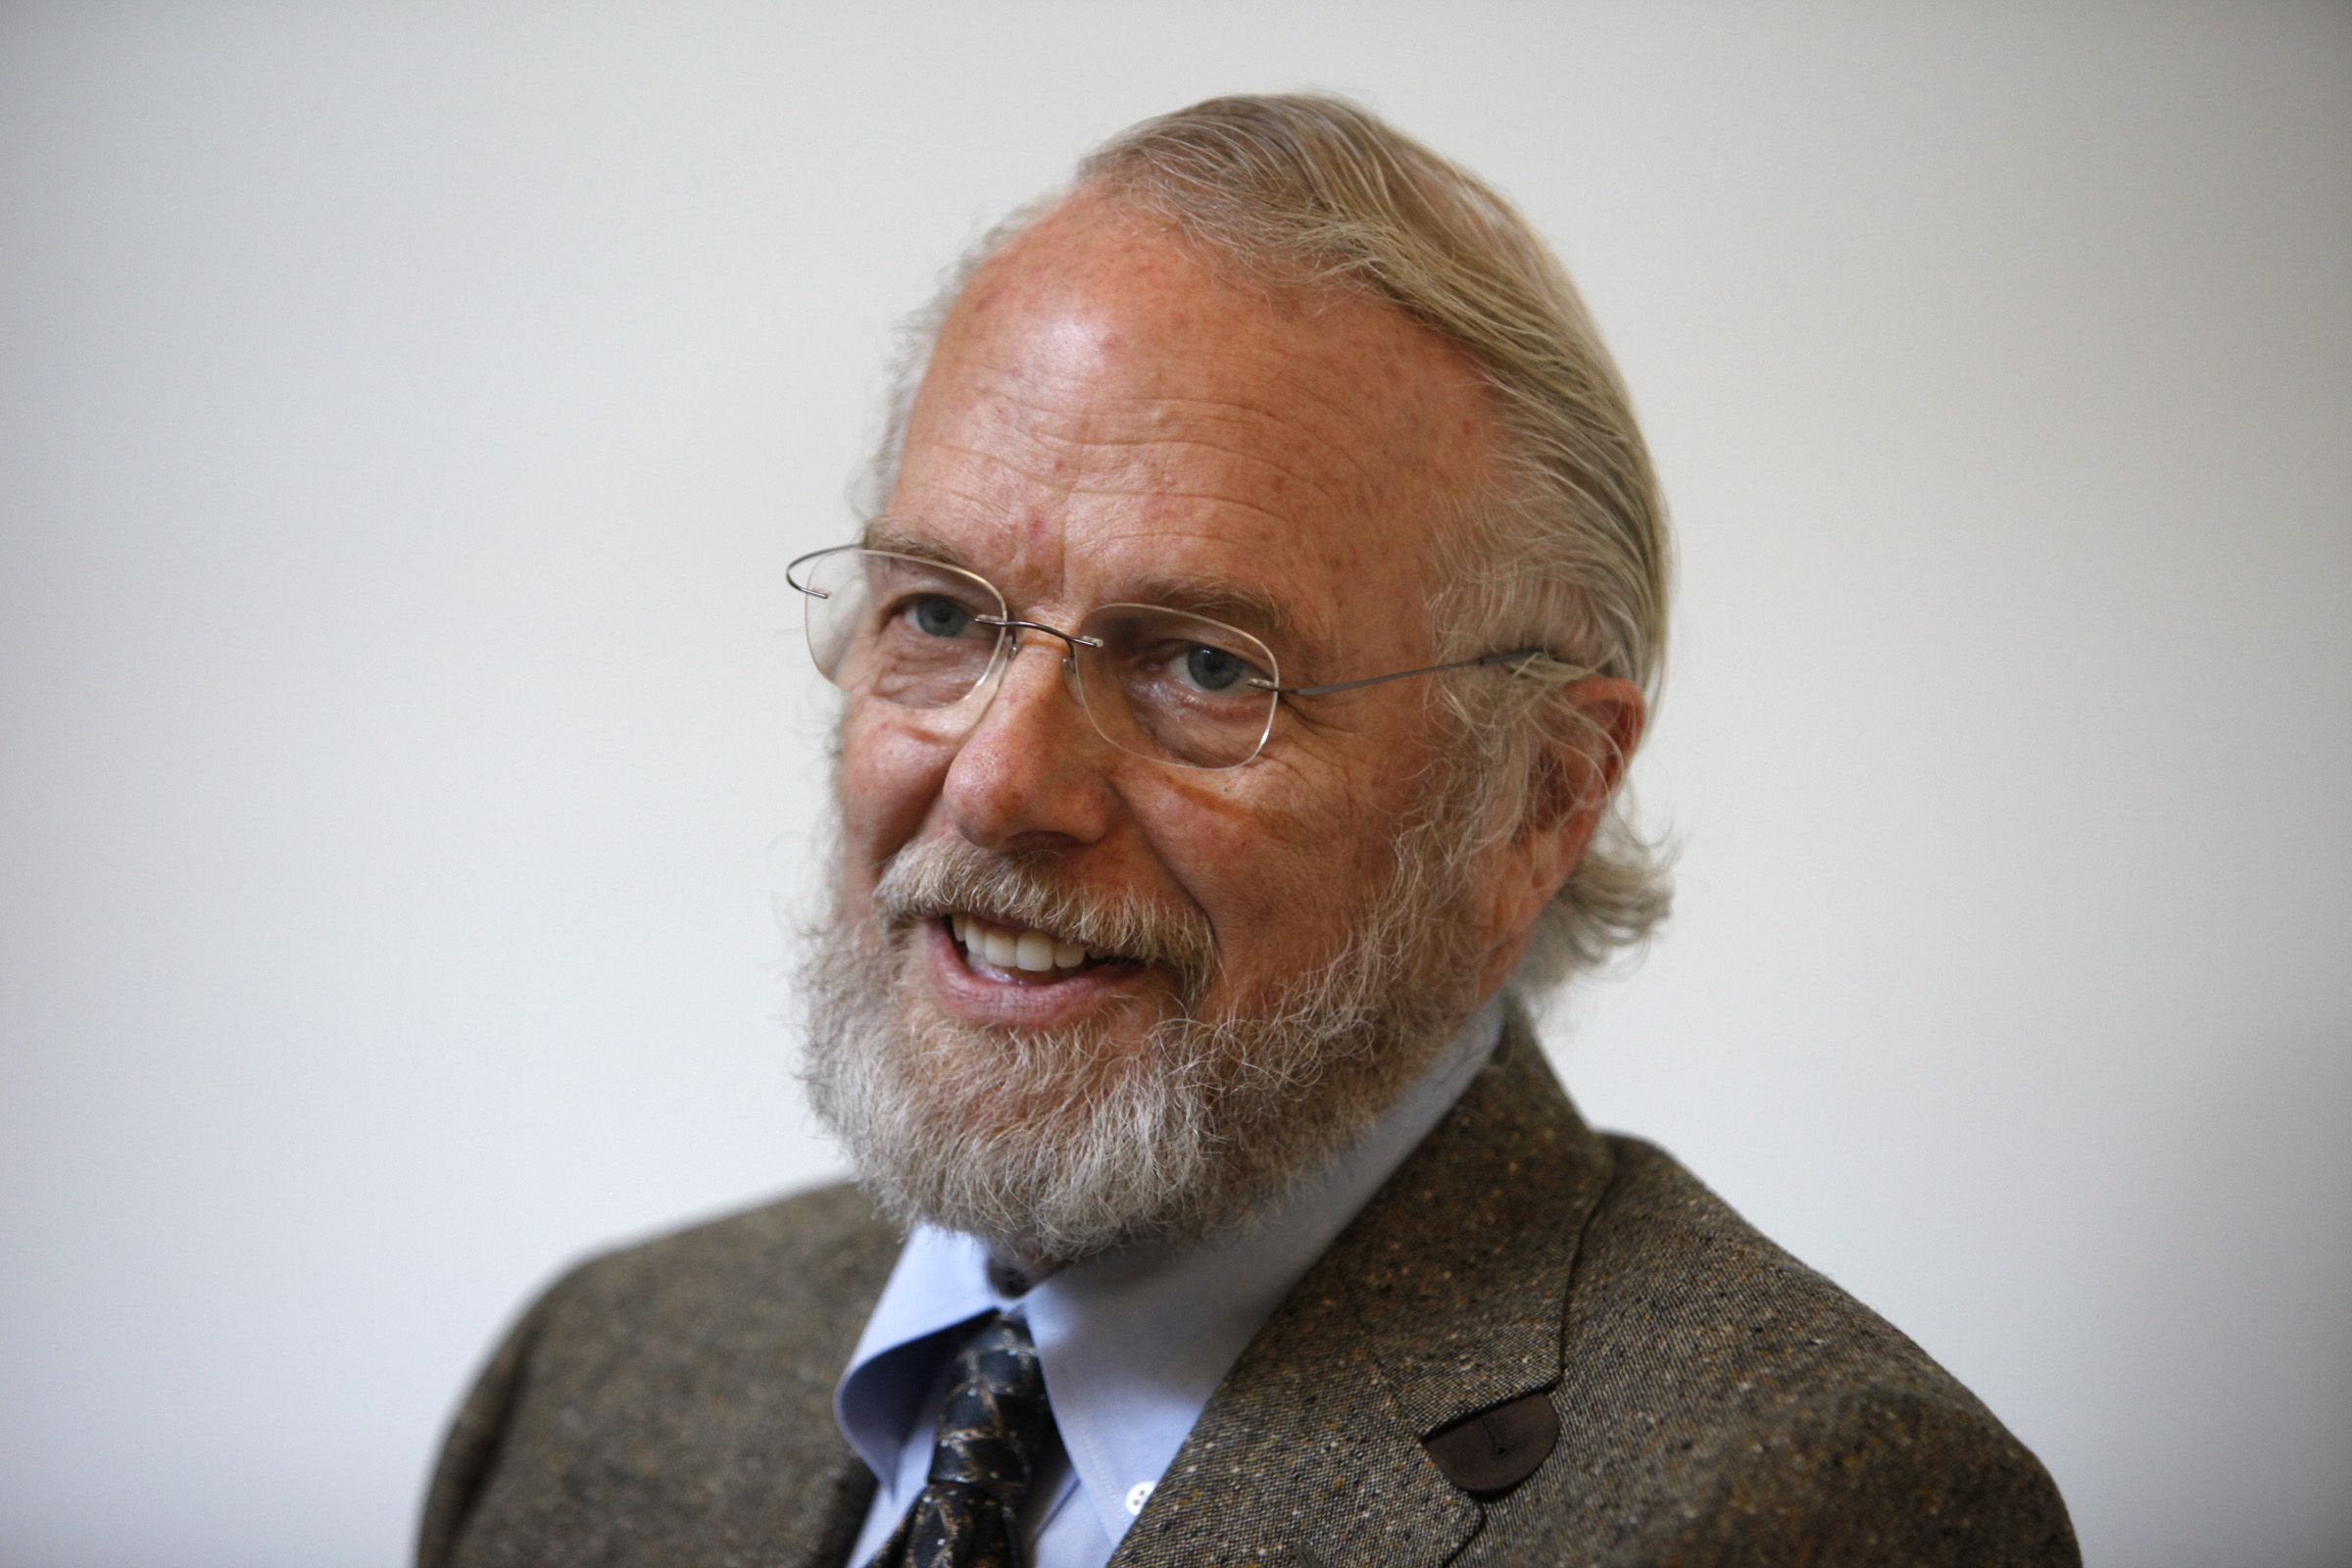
(1589, 729)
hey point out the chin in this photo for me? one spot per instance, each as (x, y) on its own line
(1058, 1142)
(1153, 1097)
(1045, 1143)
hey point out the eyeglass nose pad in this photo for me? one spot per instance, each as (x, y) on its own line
(1073, 680)
(1015, 636)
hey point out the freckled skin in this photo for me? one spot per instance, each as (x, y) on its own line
(1101, 409)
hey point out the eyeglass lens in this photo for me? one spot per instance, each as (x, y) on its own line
(1163, 683)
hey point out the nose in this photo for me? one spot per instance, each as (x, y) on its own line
(1029, 774)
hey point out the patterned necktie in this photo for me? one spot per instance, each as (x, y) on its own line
(993, 1431)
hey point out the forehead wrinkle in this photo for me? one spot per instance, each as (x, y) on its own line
(1248, 418)
(990, 483)
(1358, 455)
(1117, 427)
(1238, 457)
(1351, 445)
(1404, 436)
(1212, 497)
(904, 534)
(894, 523)
(1142, 476)
(988, 458)
(1131, 480)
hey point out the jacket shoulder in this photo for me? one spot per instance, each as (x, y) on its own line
(678, 1387)
(780, 1277)
(793, 1249)
(1664, 1257)
(1733, 1406)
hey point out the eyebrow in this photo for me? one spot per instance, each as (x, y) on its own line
(1251, 609)
(895, 536)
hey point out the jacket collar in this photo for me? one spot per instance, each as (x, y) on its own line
(1446, 1296)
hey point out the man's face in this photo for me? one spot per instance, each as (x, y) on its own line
(1106, 421)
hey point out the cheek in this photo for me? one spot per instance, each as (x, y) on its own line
(890, 772)
(1285, 871)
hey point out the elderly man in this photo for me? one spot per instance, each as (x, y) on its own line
(1265, 587)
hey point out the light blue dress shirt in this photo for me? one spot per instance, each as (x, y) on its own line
(1133, 1342)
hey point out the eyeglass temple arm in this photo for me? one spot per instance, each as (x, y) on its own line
(792, 570)
(1520, 658)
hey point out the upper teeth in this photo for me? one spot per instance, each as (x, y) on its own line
(1016, 949)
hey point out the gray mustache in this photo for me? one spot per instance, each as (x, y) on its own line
(923, 882)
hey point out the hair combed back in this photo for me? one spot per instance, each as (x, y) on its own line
(1571, 550)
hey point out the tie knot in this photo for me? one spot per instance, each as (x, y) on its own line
(995, 1425)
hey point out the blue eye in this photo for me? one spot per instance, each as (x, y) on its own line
(939, 617)
(1213, 670)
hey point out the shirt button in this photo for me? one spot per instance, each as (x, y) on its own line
(1136, 1495)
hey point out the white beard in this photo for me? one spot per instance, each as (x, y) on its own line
(1050, 1144)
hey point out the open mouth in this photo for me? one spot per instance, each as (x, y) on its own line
(1022, 955)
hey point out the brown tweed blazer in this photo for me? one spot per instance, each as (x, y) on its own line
(1716, 1401)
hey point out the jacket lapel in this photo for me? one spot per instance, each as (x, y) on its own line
(827, 1489)
(812, 1490)
(1445, 1297)
(838, 1489)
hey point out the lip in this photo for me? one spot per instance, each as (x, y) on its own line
(1021, 1003)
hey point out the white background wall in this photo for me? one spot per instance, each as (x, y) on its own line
(406, 414)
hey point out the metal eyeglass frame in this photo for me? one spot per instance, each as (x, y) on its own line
(1521, 661)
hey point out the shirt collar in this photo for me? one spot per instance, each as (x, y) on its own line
(1135, 1341)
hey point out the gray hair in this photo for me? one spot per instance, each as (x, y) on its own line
(1566, 547)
